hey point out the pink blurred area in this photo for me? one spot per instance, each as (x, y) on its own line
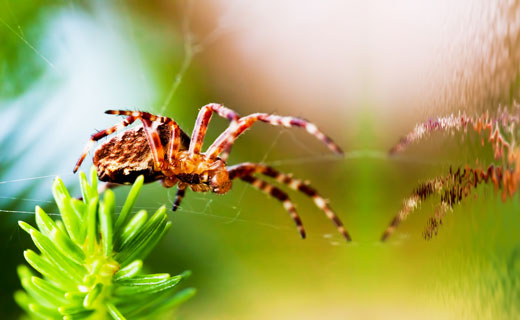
(401, 60)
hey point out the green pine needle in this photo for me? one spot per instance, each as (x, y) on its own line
(91, 261)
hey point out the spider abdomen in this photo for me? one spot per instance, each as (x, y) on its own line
(126, 156)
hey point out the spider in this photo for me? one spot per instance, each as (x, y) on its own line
(160, 150)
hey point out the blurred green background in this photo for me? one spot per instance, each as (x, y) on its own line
(62, 63)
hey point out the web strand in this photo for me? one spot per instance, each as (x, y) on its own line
(191, 49)
(188, 57)
(129, 25)
(182, 210)
(22, 38)
(35, 178)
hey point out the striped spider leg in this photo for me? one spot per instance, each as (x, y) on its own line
(245, 171)
(228, 137)
(201, 124)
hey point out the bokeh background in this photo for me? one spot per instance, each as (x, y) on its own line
(365, 72)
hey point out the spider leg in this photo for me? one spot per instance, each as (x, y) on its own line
(229, 136)
(225, 154)
(140, 114)
(201, 124)
(175, 140)
(101, 134)
(391, 227)
(273, 191)
(150, 130)
(181, 192)
(246, 169)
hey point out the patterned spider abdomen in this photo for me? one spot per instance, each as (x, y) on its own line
(126, 156)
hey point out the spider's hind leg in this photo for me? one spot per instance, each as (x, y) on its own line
(101, 134)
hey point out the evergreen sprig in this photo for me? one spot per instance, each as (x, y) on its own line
(91, 261)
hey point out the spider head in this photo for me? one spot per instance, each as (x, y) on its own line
(215, 176)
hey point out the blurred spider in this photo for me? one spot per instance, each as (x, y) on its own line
(160, 150)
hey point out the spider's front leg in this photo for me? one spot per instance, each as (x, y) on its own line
(201, 124)
(228, 137)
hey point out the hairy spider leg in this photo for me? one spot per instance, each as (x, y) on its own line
(228, 137)
(391, 227)
(101, 134)
(155, 143)
(225, 154)
(181, 192)
(245, 169)
(277, 193)
(150, 123)
(201, 124)
(174, 144)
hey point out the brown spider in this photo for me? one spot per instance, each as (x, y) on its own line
(160, 150)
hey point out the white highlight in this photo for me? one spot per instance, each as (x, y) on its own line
(311, 128)
(320, 202)
(294, 184)
(288, 205)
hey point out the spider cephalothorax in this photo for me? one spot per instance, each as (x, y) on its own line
(198, 172)
(160, 150)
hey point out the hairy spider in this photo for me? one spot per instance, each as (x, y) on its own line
(160, 150)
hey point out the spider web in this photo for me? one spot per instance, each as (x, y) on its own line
(192, 47)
